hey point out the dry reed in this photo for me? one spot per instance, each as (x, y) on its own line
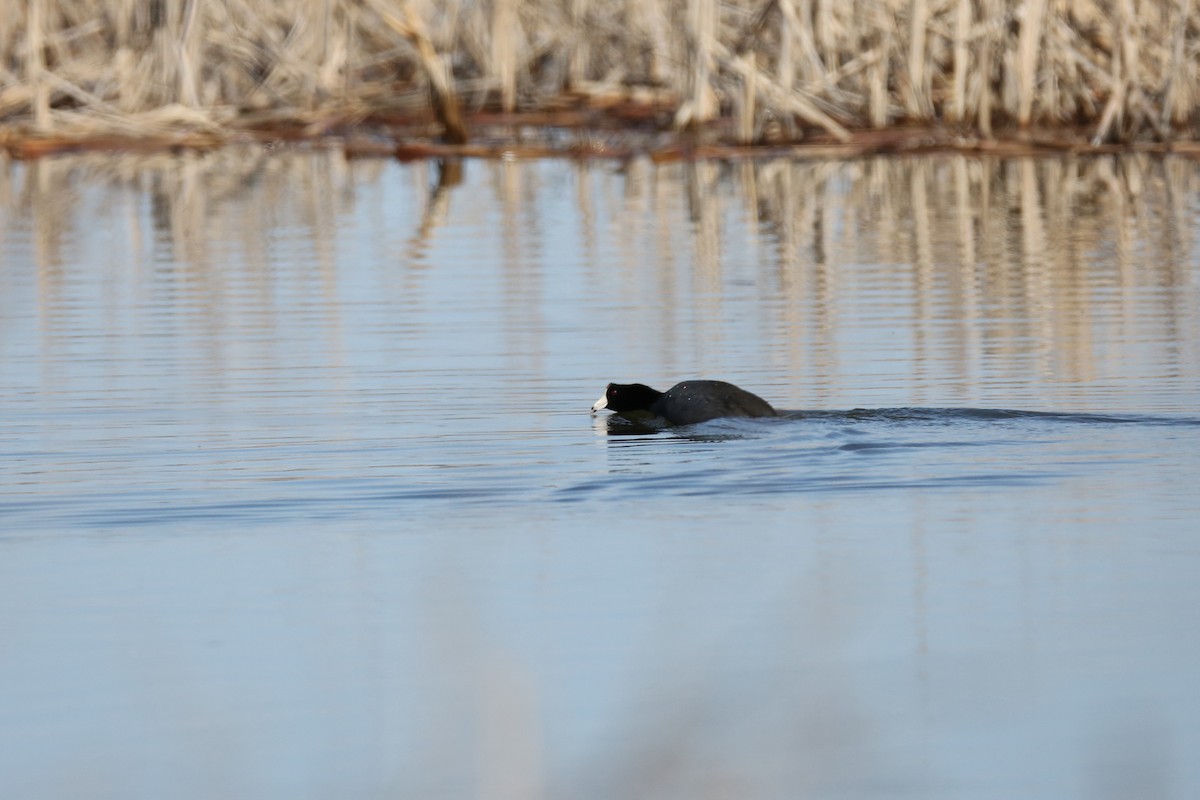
(1126, 70)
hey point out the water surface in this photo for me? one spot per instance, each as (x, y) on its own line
(301, 496)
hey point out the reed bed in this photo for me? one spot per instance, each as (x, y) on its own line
(755, 71)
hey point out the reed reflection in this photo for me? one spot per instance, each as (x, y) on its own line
(978, 266)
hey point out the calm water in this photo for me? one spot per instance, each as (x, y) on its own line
(300, 496)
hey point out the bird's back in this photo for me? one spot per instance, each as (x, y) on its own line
(699, 401)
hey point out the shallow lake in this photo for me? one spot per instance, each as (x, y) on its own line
(300, 495)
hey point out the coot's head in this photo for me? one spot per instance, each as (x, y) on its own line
(621, 397)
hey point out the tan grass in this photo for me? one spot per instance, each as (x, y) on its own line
(1126, 70)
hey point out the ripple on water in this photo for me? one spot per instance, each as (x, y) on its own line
(864, 450)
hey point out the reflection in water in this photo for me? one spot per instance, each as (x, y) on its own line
(988, 271)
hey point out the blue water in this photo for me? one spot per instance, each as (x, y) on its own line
(300, 493)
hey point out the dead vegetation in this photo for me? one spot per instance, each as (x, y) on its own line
(196, 74)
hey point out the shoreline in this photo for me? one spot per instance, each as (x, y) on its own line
(580, 134)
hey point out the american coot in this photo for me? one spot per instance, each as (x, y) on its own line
(685, 403)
